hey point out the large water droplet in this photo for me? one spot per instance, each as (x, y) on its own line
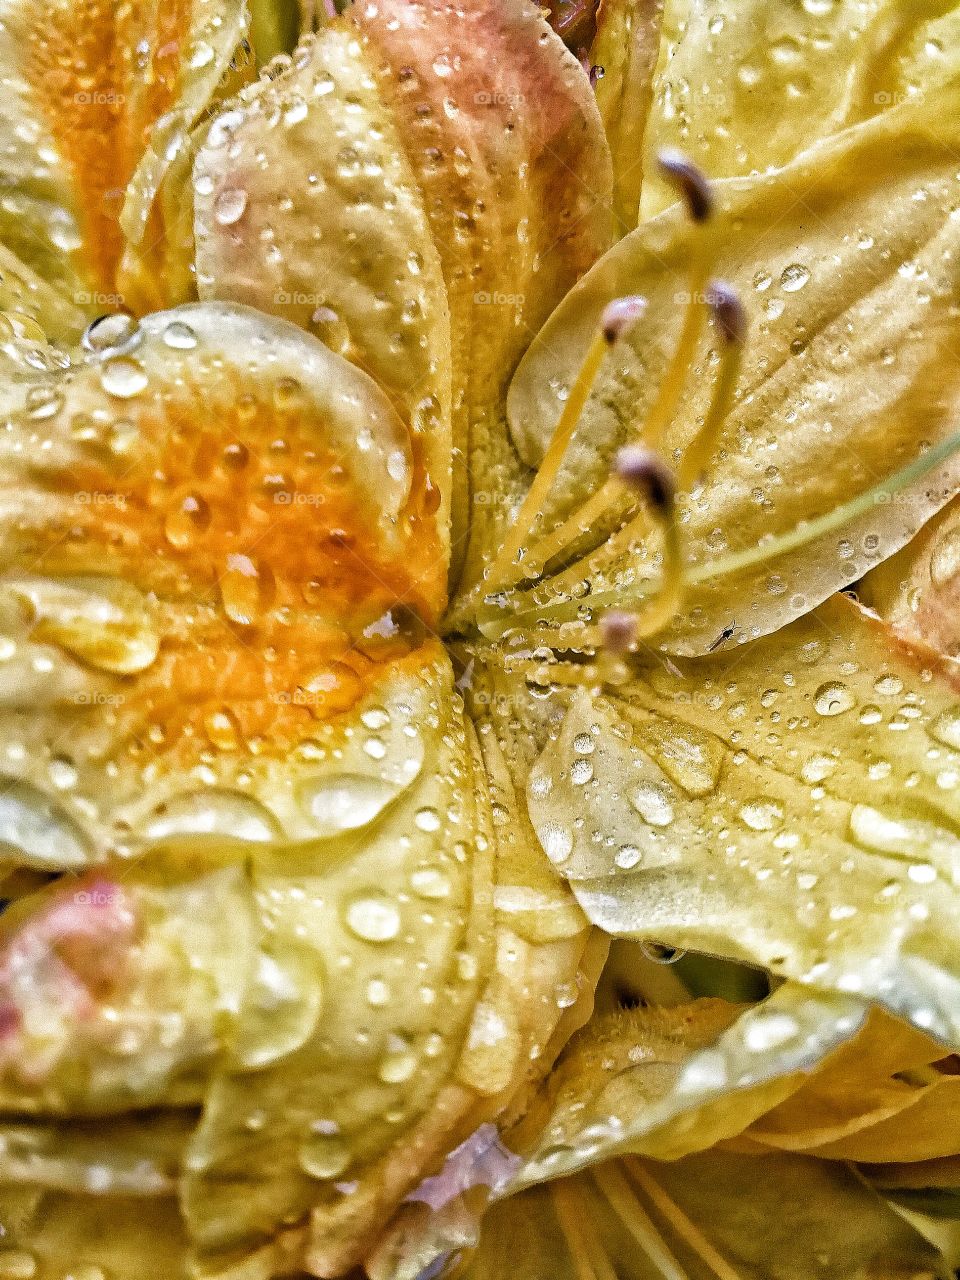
(345, 802)
(794, 277)
(213, 813)
(241, 590)
(104, 622)
(653, 803)
(372, 917)
(36, 831)
(122, 377)
(324, 1154)
(229, 206)
(833, 698)
(280, 1011)
(945, 559)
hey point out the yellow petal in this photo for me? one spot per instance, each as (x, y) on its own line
(792, 805)
(85, 82)
(845, 372)
(826, 66)
(461, 157)
(916, 590)
(624, 51)
(350, 253)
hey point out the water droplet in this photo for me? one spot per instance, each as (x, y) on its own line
(945, 559)
(189, 517)
(229, 206)
(215, 812)
(281, 1008)
(43, 402)
(556, 840)
(794, 277)
(110, 333)
(179, 336)
(36, 830)
(122, 377)
(818, 768)
(761, 815)
(240, 590)
(324, 1154)
(653, 803)
(399, 1062)
(427, 819)
(833, 698)
(946, 728)
(430, 882)
(223, 730)
(106, 623)
(345, 802)
(372, 917)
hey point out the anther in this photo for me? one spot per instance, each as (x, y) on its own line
(618, 631)
(730, 319)
(645, 472)
(621, 315)
(728, 311)
(689, 181)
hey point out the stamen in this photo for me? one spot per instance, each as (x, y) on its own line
(730, 319)
(617, 318)
(589, 1260)
(649, 475)
(684, 1228)
(631, 1213)
(618, 631)
(688, 180)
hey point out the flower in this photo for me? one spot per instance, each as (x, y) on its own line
(427, 571)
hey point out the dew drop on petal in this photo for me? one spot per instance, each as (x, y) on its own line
(372, 917)
(833, 698)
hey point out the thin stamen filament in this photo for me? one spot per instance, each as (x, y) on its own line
(811, 530)
(590, 1263)
(657, 420)
(771, 549)
(686, 1229)
(671, 388)
(503, 570)
(641, 1226)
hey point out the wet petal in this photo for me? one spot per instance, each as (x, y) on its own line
(917, 589)
(476, 131)
(623, 57)
(350, 255)
(826, 66)
(710, 1215)
(850, 314)
(207, 556)
(792, 805)
(85, 84)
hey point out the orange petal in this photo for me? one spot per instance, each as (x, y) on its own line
(85, 84)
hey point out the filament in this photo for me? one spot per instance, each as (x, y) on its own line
(686, 1229)
(641, 1226)
(589, 1260)
(503, 566)
(696, 191)
(730, 319)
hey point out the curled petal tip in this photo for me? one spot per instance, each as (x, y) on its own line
(690, 181)
(728, 311)
(647, 473)
(620, 315)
